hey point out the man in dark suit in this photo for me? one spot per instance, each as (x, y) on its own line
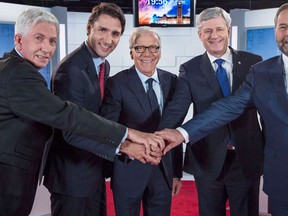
(28, 110)
(266, 88)
(73, 176)
(126, 101)
(227, 164)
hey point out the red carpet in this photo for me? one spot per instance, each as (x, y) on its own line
(184, 204)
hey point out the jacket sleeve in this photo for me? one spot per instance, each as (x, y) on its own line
(220, 112)
(29, 98)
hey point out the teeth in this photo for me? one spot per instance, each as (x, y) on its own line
(104, 46)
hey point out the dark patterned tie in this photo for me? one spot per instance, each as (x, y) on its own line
(222, 78)
(101, 79)
(153, 100)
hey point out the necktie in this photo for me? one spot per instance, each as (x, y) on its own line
(222, 78)
(101, 79)
(225, 87)
(153, 100)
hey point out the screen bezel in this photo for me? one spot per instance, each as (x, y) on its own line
(137, 24)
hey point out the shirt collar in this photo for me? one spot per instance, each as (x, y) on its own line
(96, 59)
(143, 77)
(227, 57)
(285, 61)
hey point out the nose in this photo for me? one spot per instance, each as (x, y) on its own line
(214, 33)
(46, 46)
(108, 39)
(147, 52)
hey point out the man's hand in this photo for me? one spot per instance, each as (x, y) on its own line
(156, 152)
(148, 140)
(138, 151)
(176, 186)
(172, 138)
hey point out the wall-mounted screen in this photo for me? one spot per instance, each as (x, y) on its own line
(7, 44)
(262, 41)
(6, 38)
(164, 13)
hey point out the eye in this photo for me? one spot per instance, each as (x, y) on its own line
(153, 49)
(102, 29)
(53, 42)
(282, 27)
(222, 30)
(39, 38)
(116, 34)
(140, 49)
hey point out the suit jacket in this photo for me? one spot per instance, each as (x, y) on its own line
(126, 101)
(73, 171)
(265, 87)
(198, 85)
(28, 110)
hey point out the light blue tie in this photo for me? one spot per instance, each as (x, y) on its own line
(222, 78)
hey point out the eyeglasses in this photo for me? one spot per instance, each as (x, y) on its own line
(142, 49)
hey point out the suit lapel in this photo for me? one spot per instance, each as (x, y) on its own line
(91, 70)
(164, 85)
(138, 90)
(207, 70)
(237, 79)
(90, 67)
(277, 76)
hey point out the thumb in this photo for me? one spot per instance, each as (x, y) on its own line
(167, 149)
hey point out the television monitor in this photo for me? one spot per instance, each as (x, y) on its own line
(262, 42)
(164, 13)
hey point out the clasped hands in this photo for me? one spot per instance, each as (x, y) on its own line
(148, 147)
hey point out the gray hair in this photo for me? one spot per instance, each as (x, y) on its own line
(211, 13)
(30, 17)
(280, 9)
(138, 32)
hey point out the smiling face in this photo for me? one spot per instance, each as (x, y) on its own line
(38, 45)
(281, 31)
(104, 35)
(146, 62)
(214, 34)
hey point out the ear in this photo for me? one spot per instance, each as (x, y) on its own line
(18, 41)
(131, 55)
(199, 34)
(88, 29)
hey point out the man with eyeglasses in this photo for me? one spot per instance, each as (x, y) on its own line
(136, 97)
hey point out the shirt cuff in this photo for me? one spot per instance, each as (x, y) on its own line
(184, 134)
(122, 141)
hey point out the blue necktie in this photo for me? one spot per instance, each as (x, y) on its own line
(153, 100)
(222, 78)
(225, 87)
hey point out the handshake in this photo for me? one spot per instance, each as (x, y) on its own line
(148, 147)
